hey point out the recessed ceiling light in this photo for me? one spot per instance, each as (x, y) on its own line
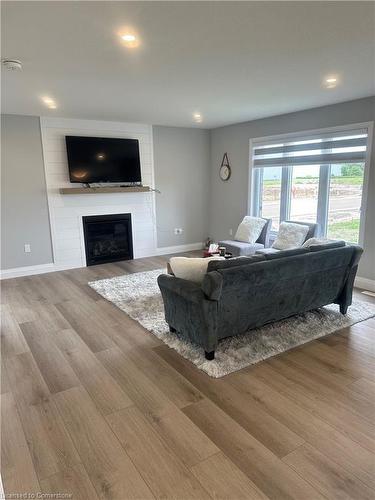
(49, 102)
(197, 117)
(127, 37)
(330, 82)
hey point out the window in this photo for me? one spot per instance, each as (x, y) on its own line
(312, 178)
(304, 193)
(271, 195)
(345, 197)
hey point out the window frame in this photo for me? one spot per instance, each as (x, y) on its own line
(324, 176)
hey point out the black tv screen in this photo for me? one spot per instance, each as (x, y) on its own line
(102, 159)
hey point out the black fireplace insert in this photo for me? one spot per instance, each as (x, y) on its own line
(108, 238)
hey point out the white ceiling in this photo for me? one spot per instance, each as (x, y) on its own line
(230, 61)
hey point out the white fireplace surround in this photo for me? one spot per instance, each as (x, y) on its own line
(66, 211)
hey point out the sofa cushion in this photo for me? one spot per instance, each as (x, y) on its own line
(313, 228)
(250, 228)
(215, 265)
(327, 246)
(290, 235)
(191, 268)
(240, 248)
(315, 241)
(267, 251)
(286, 253)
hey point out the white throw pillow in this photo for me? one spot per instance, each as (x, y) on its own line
(249, 230)
(290, 236)
(316, 241)
(191, 268)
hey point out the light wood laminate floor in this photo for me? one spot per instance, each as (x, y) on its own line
(96, 407)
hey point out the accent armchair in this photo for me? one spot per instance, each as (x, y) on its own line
(241, 248)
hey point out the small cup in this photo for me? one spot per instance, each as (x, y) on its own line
(222, 251)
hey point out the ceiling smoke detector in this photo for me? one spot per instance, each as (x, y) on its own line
(12, 64)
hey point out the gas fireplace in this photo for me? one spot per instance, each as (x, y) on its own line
(108, 238)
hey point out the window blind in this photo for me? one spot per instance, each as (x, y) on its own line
(347, 147)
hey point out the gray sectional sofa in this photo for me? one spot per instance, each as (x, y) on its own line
(237, 295)
(262, 245)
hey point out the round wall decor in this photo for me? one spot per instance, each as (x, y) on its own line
(225, 168)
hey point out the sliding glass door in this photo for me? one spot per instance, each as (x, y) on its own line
(312, 179)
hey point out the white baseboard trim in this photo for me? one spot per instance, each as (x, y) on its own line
(179, 248)
(18, 272)
(365, 284)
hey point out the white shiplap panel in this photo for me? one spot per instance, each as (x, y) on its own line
(58, 179)
(66, 222)
(55, 156)
(70, 254)
(55, 167)
(65, 233)
(92, 201)
(68, 243)
(66, 211)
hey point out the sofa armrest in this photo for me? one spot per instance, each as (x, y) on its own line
(357, 253)
(345, 296)
(189, 312)
(264, 237)
(213, 283)
(184, 288)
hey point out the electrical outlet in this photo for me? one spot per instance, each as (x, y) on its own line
(178, 230)
(27, 248)
(231, 232)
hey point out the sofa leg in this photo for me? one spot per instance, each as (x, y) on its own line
(343, 308)
(172, 330)
(209, 355)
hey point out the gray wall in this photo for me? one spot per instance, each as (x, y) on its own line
(181, 157)
(192, 195)
(24, 211)
(228, 200)
(181, 173)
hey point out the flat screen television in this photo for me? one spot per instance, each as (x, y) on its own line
(102, 159)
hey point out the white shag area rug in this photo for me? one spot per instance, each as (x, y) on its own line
(138, 295)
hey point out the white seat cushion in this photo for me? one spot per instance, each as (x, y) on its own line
(290, 235)
(240, 248)
(191, 268)
(249, 230)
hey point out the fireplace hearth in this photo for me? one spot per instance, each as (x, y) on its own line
(108, 238)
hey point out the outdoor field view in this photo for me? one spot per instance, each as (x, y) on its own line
(344, 202)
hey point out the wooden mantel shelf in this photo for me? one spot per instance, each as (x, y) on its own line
(107, 189)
